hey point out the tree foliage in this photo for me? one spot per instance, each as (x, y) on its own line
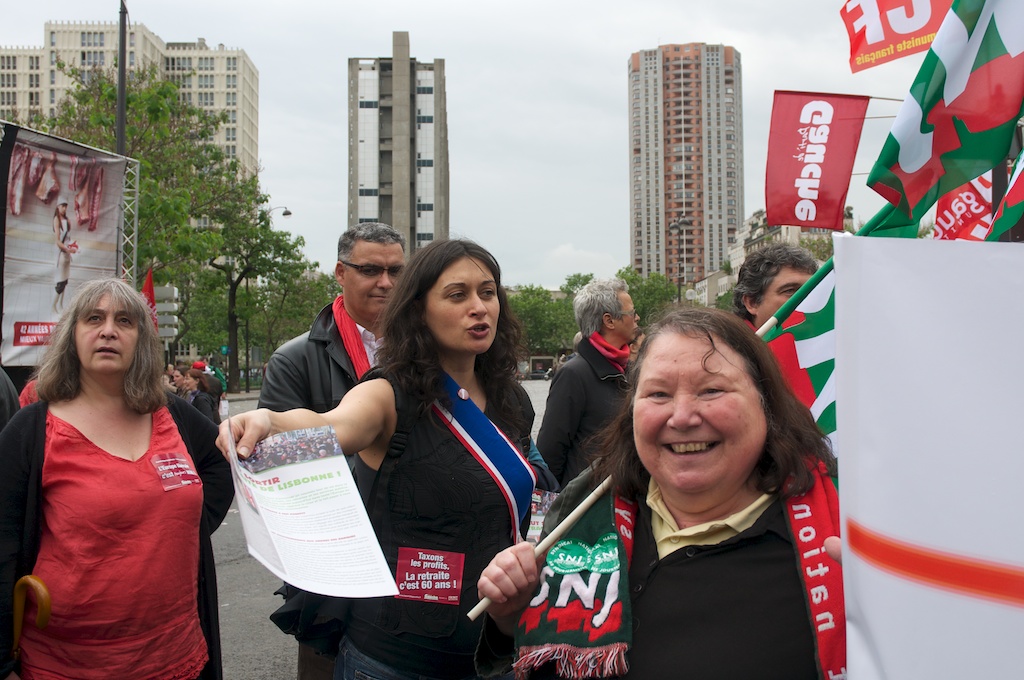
(184, 174)
(548, 322)
(203, 225)
(650, 294)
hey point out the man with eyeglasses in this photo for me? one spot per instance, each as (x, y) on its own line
(316, 369)
(587, 390)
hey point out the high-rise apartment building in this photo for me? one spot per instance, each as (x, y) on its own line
(686, 158)
(214, 79)
(398, 144)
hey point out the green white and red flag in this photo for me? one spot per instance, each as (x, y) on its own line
(1011, 210)
(956, 123)
(958, 119)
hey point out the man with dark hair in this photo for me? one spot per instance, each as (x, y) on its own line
(768, 277)
(587, 390)
(316, 369)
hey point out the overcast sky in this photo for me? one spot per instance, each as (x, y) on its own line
(537, 102)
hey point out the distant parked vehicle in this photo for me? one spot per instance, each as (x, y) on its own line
(540, 374)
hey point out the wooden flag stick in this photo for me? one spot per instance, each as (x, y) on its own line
(556, 533)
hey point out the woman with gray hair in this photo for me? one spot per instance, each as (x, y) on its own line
(111, 490)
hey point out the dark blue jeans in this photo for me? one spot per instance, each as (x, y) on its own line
(354, 665)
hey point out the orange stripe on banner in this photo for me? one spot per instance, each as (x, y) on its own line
(1000, 582)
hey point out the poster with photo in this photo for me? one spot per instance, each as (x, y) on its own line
(61, 220)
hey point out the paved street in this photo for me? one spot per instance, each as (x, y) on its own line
(254, 648)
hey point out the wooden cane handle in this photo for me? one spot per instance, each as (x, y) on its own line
(40, 594)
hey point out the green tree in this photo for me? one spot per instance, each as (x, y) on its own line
(184, 174)
(548, 323)
(650, 294)
(252, 248)
(573, 283)
(285, 308)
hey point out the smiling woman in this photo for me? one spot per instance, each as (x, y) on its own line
(110, 495)
(722, 498)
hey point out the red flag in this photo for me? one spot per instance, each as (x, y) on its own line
(966, 213)
(886, 30)
(811, 147)
(150, 296)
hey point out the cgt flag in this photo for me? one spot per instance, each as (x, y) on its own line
(886, 30)
(811, 148)
(965, 213)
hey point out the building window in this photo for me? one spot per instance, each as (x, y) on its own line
(230, 99)
(8, 80)
(424, 206)
(33, 63)
(369, 192)
(53, 38)
(425, 163)
(53, 96)
(368, 105)
(231, 82)
(424, 89)
(205, 64)
(424, 119)
(8, 63)
(33, 80)
(229, 151)
(205, 81)
(232, 116)
(368, 219)
(231, 63)
(230, 134)
(205, 99)
(424, 238)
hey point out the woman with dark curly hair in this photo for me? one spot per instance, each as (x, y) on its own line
(708, 553)
(453, 489)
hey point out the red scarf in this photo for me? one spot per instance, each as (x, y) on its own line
(350, 337)
(616, 356)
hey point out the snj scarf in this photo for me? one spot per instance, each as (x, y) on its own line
(580, 618)
(350, 337)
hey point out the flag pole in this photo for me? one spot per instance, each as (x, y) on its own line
(888, 217)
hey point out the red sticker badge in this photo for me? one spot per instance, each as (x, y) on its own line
(429, 575)
(174, 470)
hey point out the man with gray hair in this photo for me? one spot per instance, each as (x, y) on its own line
(588, 390)
(314, 371)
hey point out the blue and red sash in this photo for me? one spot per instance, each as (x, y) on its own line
(490, 447)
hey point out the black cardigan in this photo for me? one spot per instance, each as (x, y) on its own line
(21, 460)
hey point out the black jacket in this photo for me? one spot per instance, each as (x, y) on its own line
(585, 394)
(310, 371)
(208, 405)
(21, 458)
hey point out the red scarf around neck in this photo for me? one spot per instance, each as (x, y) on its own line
(617, 356)
(350, 337)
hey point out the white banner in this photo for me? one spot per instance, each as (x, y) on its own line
(930, 383)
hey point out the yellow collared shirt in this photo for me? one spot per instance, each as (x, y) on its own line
(670, 537)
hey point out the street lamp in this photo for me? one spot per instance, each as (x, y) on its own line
(678, 229)
(248, 349)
